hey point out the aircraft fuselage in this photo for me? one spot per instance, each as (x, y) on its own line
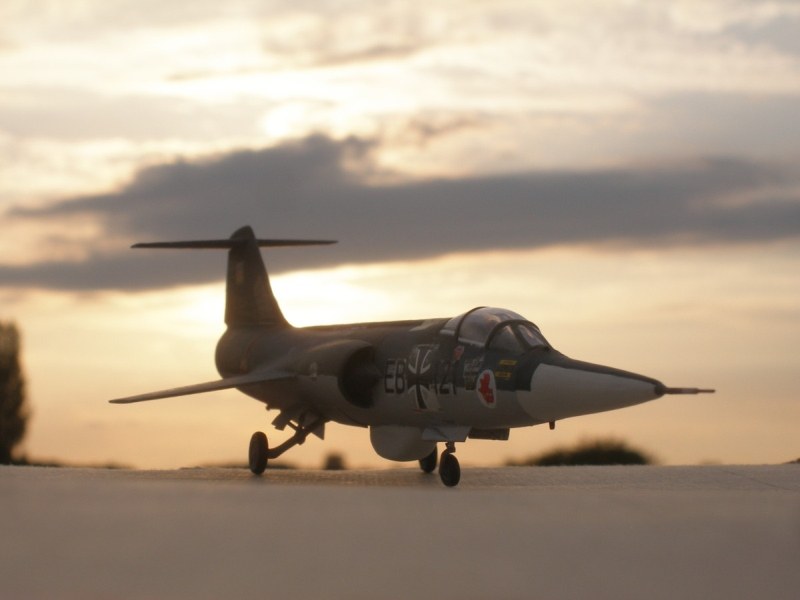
(412, 383)
(425, 377)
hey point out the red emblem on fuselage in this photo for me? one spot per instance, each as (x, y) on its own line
(486, 388)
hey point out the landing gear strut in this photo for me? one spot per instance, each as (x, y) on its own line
(449, 469)
(260, 452)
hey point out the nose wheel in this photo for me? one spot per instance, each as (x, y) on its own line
(449, 469)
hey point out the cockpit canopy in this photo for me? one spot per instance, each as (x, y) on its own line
(495, 328)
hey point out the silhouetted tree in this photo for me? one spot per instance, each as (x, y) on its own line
(593, 452)
(13, 410)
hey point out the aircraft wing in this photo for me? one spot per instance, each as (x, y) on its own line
(209, 386)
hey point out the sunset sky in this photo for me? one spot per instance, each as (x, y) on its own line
(625, 174)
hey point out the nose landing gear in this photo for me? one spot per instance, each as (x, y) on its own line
(449, 469)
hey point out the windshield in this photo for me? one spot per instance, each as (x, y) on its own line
(498, 328)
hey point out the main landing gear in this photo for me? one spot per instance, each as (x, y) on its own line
(260, 452)
(449, 469)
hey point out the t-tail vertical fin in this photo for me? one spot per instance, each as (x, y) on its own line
(249, 299)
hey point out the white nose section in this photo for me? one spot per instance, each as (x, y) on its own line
(558, 392)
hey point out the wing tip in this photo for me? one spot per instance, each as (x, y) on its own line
(236, 381)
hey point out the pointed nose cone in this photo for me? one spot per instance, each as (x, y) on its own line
(567, 388)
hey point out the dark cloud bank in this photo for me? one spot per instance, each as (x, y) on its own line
(303, 189)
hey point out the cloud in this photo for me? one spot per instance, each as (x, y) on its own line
(77, 22)
(778, 33)
(320, 187)
(759, 125)
(78, 114)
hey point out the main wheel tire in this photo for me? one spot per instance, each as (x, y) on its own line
(428, 464)
(259, 450)
(449, 469)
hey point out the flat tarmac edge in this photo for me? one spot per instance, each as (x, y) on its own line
(630, 477)
(718, 531)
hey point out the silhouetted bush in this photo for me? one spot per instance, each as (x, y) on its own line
(591, 452)
(334, 462)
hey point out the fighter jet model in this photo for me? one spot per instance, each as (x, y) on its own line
(414, 384)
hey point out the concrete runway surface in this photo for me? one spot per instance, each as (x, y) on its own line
(557, 532)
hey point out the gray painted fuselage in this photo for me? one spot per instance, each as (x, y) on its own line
(413, 383)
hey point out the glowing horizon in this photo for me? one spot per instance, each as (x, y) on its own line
(623, 175)
(582, 318)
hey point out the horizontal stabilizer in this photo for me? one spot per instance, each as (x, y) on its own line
(209, 386)
(231, 243)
